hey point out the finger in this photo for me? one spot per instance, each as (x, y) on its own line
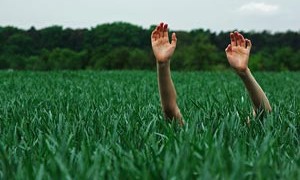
(232, 39)
(161, 24)
(242, 40)
(236, 37)
(154, 34)
(165, 30)
(174, 39)
(248, 44)
(161, 29)
(158, 31)
(228, 49)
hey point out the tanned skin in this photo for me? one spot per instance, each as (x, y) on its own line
(238, 52)
(163, 50)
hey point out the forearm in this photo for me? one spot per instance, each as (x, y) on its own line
(167, 91)
(257, 95)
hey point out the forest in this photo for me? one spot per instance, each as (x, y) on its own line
(123, 46)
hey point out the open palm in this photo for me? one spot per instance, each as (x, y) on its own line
(238, 52)
(162, 48)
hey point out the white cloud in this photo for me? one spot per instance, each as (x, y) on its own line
(259, 7)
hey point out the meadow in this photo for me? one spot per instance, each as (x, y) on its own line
(109, 125)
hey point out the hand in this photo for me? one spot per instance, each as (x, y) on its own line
(238, 52)
(162, 48)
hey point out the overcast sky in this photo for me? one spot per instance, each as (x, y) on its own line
(216, 15)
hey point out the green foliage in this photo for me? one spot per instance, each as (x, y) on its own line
(288, 57)
(57, 59)
(109, 125)
(51, 37)
(66, 59)
(12, 61)
(123, 58)
(122, 45)
(18, 44)
(118, 35)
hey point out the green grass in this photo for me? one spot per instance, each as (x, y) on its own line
(109, 125)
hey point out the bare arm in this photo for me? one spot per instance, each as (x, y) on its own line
(163, 51)
(258, 97)
(237, 53)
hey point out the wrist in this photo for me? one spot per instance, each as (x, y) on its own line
(243, 73)
(162, 64)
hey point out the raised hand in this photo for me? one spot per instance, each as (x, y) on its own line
(162, 48)
(238, 52)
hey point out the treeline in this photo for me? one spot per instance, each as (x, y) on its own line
(125, 46)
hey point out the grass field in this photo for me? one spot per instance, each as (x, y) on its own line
(109, 125)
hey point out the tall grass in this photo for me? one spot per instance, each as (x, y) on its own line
(109, 125)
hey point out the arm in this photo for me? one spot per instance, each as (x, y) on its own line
(237, 53)
(258, 97)
(163, 50)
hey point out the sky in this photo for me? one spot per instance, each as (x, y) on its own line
(215, 15)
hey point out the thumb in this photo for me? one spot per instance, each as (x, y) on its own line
(174, 39)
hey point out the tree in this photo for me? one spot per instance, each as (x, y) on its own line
(59, 59)
(124, 58)
(122, 45)
(118, 34)
(201, 54)
(51, 38)
(20, 44)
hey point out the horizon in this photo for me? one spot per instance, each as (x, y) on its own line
(146, 28)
